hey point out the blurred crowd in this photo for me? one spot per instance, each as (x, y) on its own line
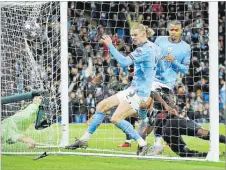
(95, 75)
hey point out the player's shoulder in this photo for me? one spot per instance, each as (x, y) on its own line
(150, 45)
(161, 38)
(140, 50)
(186, 45)
(145, 48)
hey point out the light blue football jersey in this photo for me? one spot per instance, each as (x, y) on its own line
(167, 71)
(145, 57)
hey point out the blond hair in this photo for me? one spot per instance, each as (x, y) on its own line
(145, 28)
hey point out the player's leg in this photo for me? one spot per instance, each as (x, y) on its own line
(145, 112)
(101, 109)
(118, 118)
(202, 133)
(156, 117)
(177, 145)
(164, 100)
(124, 110)
(157, 125)
(142, 113)
(191, 128)
(96, 120)
(172, 131)
(168, 96)
(127, 143)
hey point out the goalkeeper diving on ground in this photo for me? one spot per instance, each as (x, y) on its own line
(14, 127)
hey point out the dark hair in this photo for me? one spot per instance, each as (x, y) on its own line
(175, 22)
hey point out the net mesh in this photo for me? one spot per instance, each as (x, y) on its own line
(30, 55)
(31, 61)
(88, 21)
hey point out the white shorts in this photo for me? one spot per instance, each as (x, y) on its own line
(156, 85)
(132, 98)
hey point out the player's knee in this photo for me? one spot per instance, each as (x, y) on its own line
(115, 119)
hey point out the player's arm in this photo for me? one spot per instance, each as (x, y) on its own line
(29, 110)
(184, 66)
(29, 141)
(129, 20)
(33, 107)
(158, 40)
(161, 54)
(122, 60)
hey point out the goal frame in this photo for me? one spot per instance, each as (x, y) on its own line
(214, 97)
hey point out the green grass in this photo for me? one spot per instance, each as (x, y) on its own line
(106, 137)
(100, 163)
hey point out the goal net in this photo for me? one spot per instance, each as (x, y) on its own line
(30, 60)
(89, 21)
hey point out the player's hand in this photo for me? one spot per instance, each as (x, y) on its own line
(106, 40)
(170, 58)
(30, 143)
(37, 100)
(173, 112)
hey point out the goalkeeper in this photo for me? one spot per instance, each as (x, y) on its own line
(14, 126)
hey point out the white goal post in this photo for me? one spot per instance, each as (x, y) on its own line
(64, 71)
(214, 79)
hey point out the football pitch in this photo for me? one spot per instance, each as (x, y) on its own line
(100, 163)
(107, 138)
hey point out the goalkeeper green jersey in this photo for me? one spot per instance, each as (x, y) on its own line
(14, 126)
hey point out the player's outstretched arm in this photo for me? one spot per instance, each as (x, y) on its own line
(33, 107)
(122, 60)
(28, 141)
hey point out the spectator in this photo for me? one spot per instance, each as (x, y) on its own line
(107, 76)
(222, 94)
(90, 101)
(81, 112)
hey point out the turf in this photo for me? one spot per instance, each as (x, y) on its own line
(106, 140)
(92, 163)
